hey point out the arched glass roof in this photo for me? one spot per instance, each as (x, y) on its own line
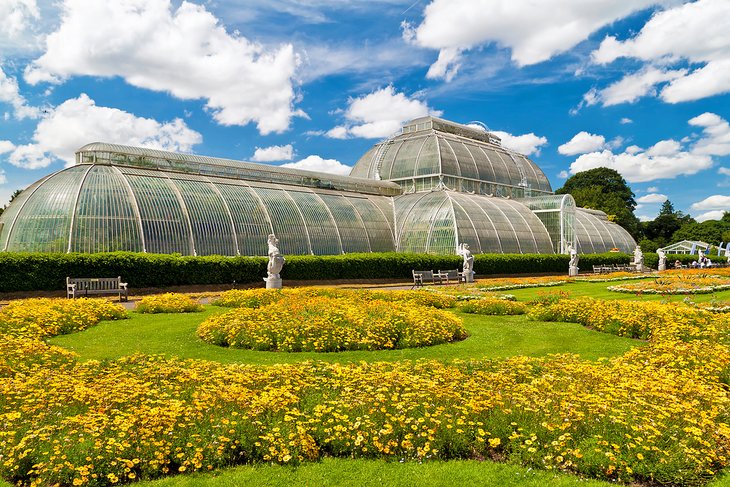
(435, 147)
(595, 234)
(438, 221)
(99, 208)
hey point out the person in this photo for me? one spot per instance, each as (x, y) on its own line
(677, 264)
(276, 260)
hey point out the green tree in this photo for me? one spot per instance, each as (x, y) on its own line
(606, 190)
(710, 231)
(662, 228)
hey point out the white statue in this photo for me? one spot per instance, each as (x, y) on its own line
(573, 263)
(468, 269)
(662, 259)
(639, 259)
(727, 253)
(276, 263)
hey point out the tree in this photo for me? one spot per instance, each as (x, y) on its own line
(606, 190)
(663, 227)
(710, 231)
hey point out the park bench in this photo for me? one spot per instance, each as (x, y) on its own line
(421, 277)
(77, 287)
(451, 275)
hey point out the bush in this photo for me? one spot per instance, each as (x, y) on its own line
(492, 306)
(45, 271)
(168, 303)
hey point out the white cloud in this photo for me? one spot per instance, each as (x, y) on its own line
(185, 52)
(724, 171)
(709, 215)
(79, 121)
(10, 93)
(6, 146)
(653, 198)
(273, 153)
(666, 158)
(316, 163)
(690, 32)
(653, 189)
(632, 87)
(3, 178)
(716, 134)
(563, 174)
(535, 31)
(17, 16)
(582, 143)
(625, 121)
(645, 218)
(714, 202)
(526, 144)
(379, 114)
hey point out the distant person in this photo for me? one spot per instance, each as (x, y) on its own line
(677, 264)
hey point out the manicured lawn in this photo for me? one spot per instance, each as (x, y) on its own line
(490, 336)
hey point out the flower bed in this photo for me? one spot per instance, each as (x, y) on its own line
(676, 284)
(614, 276)
(519, 283)
(41, 317)
(492, 306)
(330, 324)
(168, 303)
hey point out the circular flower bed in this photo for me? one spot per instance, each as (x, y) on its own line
(676, 284)
(493, 306)
(326, 324)
(168, 303)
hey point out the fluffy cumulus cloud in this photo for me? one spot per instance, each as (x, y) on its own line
(725, 171)
(273, 153)
(379, 114)
(526, 144)
(709, 215)
(534, 31)
(9, 93)
(183, 51)
(715, 202)
(17, 18)
(652, 198)
(582, 143)
(79, 121)
(667, 158)
(317, 163)
(692, 33)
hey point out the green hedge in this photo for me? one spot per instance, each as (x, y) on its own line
(43, 271)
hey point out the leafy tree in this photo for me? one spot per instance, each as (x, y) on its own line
(606, 190)
(663, 227)
(710, 231)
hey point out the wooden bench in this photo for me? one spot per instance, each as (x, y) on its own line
(421, 277)
(451, 275)
(77, 287)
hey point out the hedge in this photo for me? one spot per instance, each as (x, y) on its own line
(45, 271)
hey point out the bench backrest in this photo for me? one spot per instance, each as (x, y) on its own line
(95, 283)
(451, 273)
(426, 275)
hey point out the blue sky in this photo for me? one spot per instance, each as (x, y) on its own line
(640, 86)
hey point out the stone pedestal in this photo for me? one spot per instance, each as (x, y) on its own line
(573, 271)
(469, 277)
(273, 282)
(662, 267)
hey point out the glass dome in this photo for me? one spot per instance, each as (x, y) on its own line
(594, 233)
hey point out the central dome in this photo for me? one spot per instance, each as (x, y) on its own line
(432, 153)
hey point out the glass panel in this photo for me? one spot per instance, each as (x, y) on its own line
(105, 217)
(449, 164)
(164, 224)
(249, 217)
(322, 230)
(43, 223)
(442, 234)
(466, 162)
(375, 214)
(428, 158)
(501, 173)
(12, 210)
(387, 158)
(405, 162)
(352, 230)
(288, 225)
(209, 219)
(485, 170)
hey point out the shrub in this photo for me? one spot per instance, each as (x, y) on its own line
(168, 303)
(492, 306)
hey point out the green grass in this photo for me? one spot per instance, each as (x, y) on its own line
(490, 336)
(375, 473)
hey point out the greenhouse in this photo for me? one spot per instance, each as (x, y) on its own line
(431, 187)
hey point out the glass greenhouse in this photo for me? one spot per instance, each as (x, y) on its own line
(425, 190)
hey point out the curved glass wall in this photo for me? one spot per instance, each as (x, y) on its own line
(557, 213)
(100, 208)
(595, 234)
(437, 222)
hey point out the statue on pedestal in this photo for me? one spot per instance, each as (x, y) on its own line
(468, 269)
(662, 259)
(573, 263)
(276, 263)
(639, 259)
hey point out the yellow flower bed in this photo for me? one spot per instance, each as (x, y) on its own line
(493, 306)
(168, 303)
(41, 317)
(519, 282)
(677, 283)
(329, 324)
(255, 298)
(656, 415)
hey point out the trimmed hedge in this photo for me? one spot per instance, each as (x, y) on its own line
(45, 271)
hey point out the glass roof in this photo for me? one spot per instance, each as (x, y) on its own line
(594, 233)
